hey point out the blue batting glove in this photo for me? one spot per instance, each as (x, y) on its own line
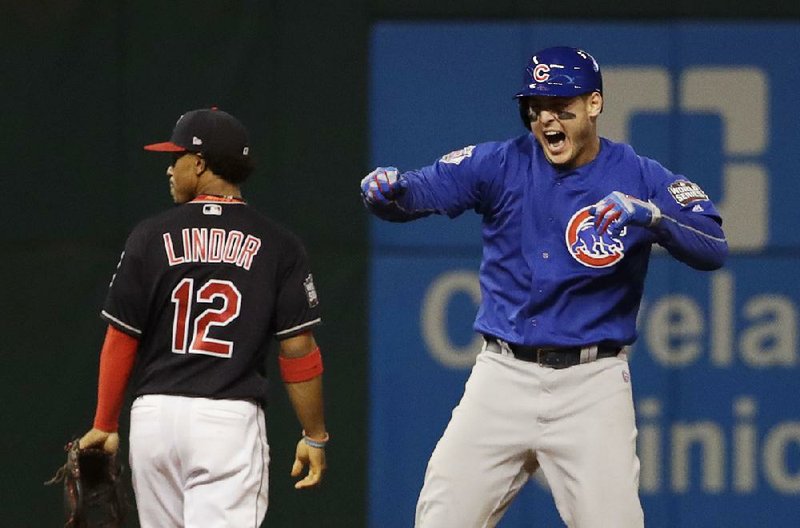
(618, 210)
(382, 186)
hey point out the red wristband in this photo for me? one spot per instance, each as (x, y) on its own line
(295, 370)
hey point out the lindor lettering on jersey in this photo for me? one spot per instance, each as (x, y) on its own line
(200, 244)
(207, 276)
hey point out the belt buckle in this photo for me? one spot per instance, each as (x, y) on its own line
(559, 362)
(539, 352)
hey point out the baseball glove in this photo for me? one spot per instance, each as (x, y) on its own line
(93, 491)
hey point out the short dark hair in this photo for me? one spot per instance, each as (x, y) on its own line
(233, 170)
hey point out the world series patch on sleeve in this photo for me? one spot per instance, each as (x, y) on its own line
(686, 192)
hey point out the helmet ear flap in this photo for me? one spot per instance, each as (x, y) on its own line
(525, 112)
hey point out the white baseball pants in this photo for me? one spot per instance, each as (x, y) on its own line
(576, 423)
(198, 462)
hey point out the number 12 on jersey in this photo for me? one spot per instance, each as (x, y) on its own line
(201, 343)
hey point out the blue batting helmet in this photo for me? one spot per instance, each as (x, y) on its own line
(561, 71)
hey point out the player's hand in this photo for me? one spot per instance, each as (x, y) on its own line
(109, 442)
(314, 458)
(382, 185)
(618, 210)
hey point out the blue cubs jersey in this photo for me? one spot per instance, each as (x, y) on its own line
(547, 277)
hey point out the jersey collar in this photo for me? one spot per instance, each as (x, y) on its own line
(217, 198)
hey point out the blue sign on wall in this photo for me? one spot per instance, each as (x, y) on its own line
(715, 369)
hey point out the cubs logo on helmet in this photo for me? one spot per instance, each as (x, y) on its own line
(589, 247)
(561, 71)
(541, 72)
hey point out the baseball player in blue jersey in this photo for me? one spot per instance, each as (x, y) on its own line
(569, 219)
(199, 294)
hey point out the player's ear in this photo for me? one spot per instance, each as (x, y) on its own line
(199, 165)
(595, 104)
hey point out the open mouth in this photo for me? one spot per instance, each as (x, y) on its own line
(554, 138)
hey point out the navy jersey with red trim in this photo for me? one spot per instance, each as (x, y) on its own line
(547, 277)
(205, 287)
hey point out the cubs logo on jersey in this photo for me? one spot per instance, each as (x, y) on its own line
(589, 247)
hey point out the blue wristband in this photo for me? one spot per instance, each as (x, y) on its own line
(319, 444)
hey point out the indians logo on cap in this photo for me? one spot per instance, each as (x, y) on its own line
(590, 248)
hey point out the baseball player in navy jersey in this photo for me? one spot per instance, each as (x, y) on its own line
(200, 292)
(569, 219)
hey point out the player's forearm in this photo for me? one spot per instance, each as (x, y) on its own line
(414, 194)
(698, 241)
(430, 191)
(300, 362)
(307, 401)
(116, 363)
(404, 207)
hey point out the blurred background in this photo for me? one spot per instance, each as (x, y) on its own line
(330, 89)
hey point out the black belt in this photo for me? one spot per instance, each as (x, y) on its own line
(554, 357)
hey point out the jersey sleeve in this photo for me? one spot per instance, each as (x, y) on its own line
(675, 195)
(125, 306)
(451, 185)
(690, 227)
(297, 306)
